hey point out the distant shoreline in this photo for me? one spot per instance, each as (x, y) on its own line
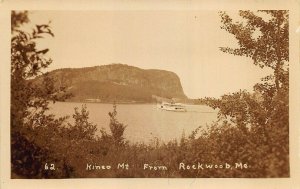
(109, 102)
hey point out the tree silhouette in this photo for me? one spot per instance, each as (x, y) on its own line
(263, 116)
(266, 42)
(29, 100)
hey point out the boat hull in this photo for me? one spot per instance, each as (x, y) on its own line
(172, 107)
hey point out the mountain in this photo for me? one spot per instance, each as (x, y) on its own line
(118, 82)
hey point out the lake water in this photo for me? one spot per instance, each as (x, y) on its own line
(144, 121)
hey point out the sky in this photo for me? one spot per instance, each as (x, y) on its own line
(184, 42)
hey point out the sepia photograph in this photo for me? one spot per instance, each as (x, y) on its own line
(149, 94)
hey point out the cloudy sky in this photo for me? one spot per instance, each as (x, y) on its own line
(185, 42)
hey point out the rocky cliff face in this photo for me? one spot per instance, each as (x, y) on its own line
(119, 82)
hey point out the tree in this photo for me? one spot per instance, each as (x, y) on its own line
(263, 117)
(28, 62)
(30, 100)
(265, 42)
(82, 128)
(117, 129)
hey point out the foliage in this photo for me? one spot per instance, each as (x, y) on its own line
(270, 48)
(29, 101)
(82, 128)
(117, 129)
(262, 116)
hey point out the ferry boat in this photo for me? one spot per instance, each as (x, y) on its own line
(176, 107)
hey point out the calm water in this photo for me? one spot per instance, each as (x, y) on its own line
(144, 121)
